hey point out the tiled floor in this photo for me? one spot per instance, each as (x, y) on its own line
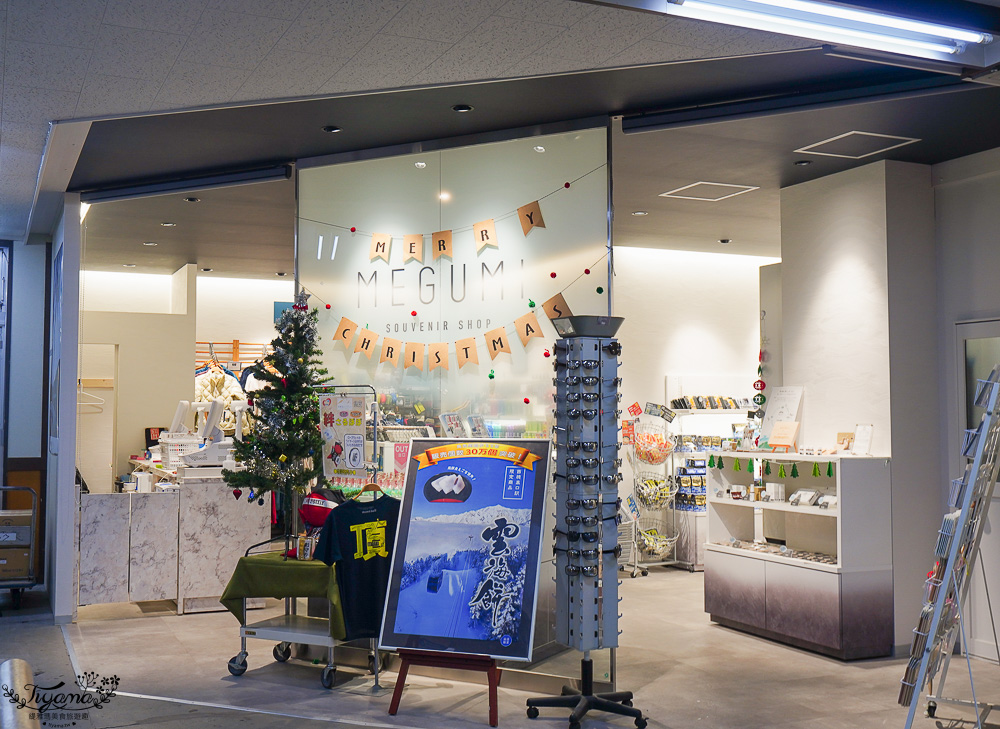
(685, 672)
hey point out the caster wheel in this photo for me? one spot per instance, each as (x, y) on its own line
(328, 677)
(627, 702)
(634, 574)
(282, 652)
(532, 712)
(238, 664)
(931, 709)
(640, 723)
(645, 573)
(574, 724)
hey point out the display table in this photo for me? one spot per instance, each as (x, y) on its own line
(270, 575)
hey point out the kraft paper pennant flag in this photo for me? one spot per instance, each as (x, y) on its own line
(530, 216)
(556, 307)
(486, 234)
(381, 243)
(527, 327)
(366, 342)
(437, 355)
(466, 350)
(391, 349)
(497, 342)
(413, 248)
(441, 241)
(413, 356)
(345, 331)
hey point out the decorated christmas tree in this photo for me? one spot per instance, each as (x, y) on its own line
(283, 451)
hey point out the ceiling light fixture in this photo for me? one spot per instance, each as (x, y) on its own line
(192, 199)
(538, 148)
(331, 129)
(445, 196)
(420, 165)
(128, 265)
(725, 241)
(150, 243)
(834, 24)
(280, 273)
(803, 162)
(168, 225)
(639, 213)
(462, 108)
(207, 270)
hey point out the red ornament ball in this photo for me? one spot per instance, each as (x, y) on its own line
(552, 275)
(237, 493)
(327, 306)
(566, 185)
(413, 313)
(586, 271)
(353, 229)
(546, 353)
(526, 401)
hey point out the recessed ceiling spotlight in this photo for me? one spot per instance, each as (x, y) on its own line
(725, 241)
(538, 148)
(192, 199)
(445, 196)
(128, 265)
(639, 213)
(150, 243)
(168, 225)
(207, 270)
(419, 165)
(461, 108)
(280, 273)
(803, 162)
(331, 129)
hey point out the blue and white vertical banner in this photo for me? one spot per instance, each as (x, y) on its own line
(465, 568)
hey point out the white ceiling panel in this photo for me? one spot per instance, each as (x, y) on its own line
(696, 33)
(135, 53)
(284, 10)
(193, 84)
(553, 12)
(539, 63)
(439, 20)
(498, 43)
(37, 107)
(56, 22)
(24, 137)
(387, 61)
(44, 66)
(286, 73)
(755, 41)
(233, 39)
(615, 30)
(103, 95)
(175, 16)
(649, 51)
(339, 27)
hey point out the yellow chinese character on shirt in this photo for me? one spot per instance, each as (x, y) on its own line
(371, 540)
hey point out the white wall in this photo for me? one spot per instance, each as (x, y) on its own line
(139, 293)
(95, 436)
(234, 308)
(27, 351)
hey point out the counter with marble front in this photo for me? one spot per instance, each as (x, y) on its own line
(178, 545)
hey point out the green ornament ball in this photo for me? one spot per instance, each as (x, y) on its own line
(600, 289)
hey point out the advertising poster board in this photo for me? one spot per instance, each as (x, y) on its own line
(465, 567)
(342, 423)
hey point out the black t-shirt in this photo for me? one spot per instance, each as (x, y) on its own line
(358, 537)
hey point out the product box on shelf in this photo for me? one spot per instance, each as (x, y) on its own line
(15, 527)
(14, 563)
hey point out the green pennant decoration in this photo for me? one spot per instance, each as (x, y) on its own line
(749, 465)
(816, 469)
(781, 470)
(829, 469)
(736, 464)
(711, 461)
(795, 470)
(767, 468)
(720, 464)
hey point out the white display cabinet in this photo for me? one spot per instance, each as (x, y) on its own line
(818, 578)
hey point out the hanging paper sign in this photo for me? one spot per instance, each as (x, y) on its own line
(497, 342)
(527, 327)
(556, 307)
(413, 248)
(345, 331)
(366, 342)
(437, 355)
(419, 408)
(631, 508)
(442, 243)
(634, 410)
(466, 351)
(530, 216)
(660, 411)
(343, 430)
(413, 356)
(628, 431)
(485, 233)
(381, 243)
(390, 351)
(523, 457)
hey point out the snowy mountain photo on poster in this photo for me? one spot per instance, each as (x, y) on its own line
(466, 558)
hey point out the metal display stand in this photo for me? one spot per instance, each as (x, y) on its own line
(941, 619)
(587, 505)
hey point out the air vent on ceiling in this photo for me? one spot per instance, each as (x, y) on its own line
(708, 191)
(857, 145)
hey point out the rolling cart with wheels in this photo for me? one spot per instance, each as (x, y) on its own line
(18, 531)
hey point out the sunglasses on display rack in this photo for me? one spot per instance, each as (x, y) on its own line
(589, 521)
(572, 462)
(590, 504)
(595, 396)
(571, 445)
(574, 553)
(575, 569)
(576, 536)
(570, 364)
(591, 364)
(572, 413)
(571, 397)
(571, 381)
(570, 478)
(590, 381)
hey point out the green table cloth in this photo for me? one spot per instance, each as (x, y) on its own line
(270, 575)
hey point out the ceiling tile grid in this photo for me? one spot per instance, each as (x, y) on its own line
(66, 59)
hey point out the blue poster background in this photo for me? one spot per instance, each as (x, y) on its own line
(465, 565)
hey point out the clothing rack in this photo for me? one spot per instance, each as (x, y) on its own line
(231, 352)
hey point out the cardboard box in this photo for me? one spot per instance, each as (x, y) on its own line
(14, 563)
(15, 528)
